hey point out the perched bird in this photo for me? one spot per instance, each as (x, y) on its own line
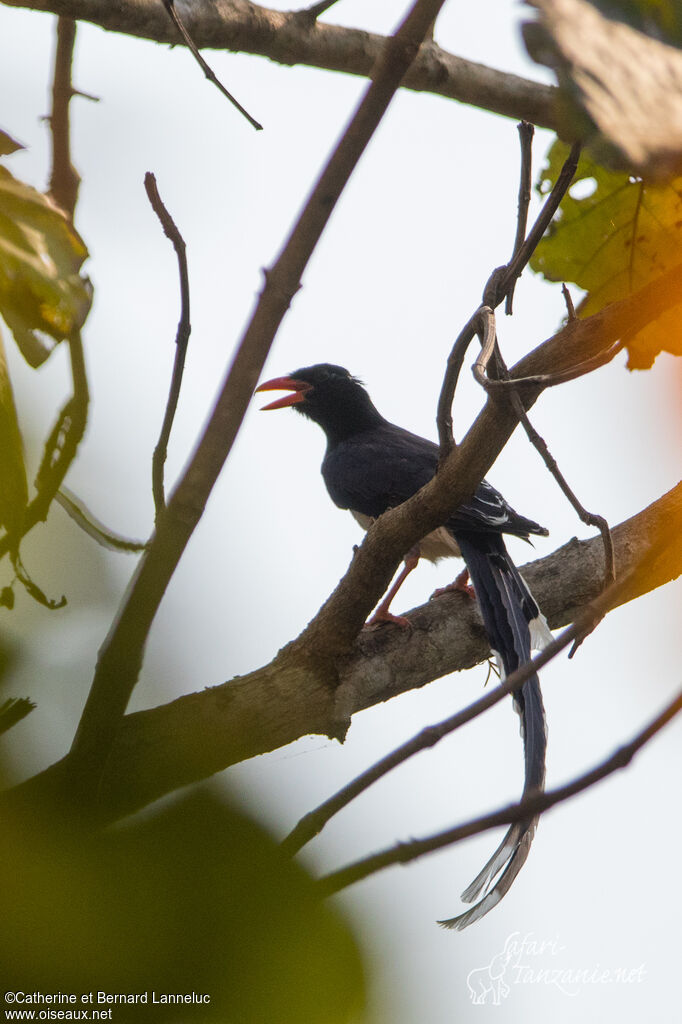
(371, 465)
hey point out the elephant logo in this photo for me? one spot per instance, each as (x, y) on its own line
(483, 982)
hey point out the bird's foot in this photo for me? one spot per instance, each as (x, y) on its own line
(461, 584)
(382, 616)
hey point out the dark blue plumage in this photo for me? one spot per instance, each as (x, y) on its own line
(371, 465)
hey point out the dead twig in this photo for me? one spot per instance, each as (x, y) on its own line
(83, 517)
(526, 132)
(499, 284)
(208, 71)
(181, 340)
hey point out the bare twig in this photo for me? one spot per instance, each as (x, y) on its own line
(120, 658)
(526, 132)
(500, 283)
(570, 308)
(529, 807)
(490, 349)
(447, 393)
(89, 524)
(544, 380)
(208, 71)
(64, 179)
(589, 518)
(181, 340)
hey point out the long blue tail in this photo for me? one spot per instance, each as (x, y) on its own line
(510, 615)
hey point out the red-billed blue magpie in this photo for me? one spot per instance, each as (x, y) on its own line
(371, 465)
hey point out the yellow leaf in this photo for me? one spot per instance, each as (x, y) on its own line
(41, 288)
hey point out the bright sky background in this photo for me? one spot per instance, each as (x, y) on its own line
(430, 211)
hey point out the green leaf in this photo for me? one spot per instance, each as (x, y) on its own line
(621, 88)
(612, 242)
(8, 144)
(194, 898)
(13, 485)
(41, 254)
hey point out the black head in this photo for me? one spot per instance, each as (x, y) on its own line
(330, 396)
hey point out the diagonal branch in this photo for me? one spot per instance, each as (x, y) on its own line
(120, 658)
(206, 68)
(286, 37)
(529, 807)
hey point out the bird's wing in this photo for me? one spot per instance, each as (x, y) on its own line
(378, 469)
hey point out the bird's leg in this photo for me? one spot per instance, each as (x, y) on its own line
(382, 614)
(461, 584)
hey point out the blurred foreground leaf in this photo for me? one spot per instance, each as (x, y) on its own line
(13, 485)
(41, 289)
(621, 87)
(613, 241)
(196, 900)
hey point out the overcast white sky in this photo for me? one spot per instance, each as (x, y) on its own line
(430, 211)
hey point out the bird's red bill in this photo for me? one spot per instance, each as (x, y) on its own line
(299, 388)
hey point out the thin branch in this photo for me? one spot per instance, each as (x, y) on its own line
(120, 657)
(89, 524)
(181, 340)
(529, 807)
(544, 380)
(570, 308)
(284, 37)
(490, 350)
(500, 283)
(526, 132)
(447, 392)
(64, 179)
(208, 71)
(589, 518)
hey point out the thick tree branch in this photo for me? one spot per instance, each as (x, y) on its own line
(288, 38)
(159, 750)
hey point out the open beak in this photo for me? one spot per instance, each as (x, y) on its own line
(299, 389)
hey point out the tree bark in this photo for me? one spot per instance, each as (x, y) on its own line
(291, 38)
